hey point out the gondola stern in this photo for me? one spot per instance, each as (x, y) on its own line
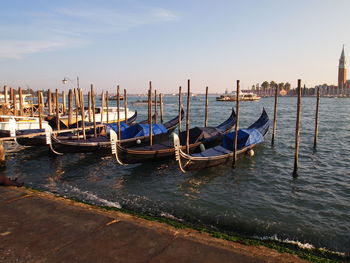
(178, 151)
(49, 138)
(113, 137)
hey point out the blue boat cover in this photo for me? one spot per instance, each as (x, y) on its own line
(246, 137)
(114, 126)
(213, 151)
(139, 130)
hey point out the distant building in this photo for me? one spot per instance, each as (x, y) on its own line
(327, 90)
(343, 88)
(342, 71)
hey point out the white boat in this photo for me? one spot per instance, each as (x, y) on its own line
(112, 114)
(9, 124)
(101, 115)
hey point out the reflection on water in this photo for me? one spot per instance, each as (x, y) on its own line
(258, 198)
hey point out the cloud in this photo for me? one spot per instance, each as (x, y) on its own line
(15, 49)
(164, 14)
(107, 21)
(63, 28)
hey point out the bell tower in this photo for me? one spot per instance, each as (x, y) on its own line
(342, 70)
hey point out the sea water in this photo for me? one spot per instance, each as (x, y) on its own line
(259, 198)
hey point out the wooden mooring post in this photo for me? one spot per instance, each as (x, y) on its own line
(93, 109)
(161, 107)
(14, 101)
(234, 159)
(118, 108)
(107, 106)
(316, 118)
(102, 106)
(40, 102)
(64, 104)
(57, 111)
(20, 96)
(206, 107)
(155, 106)
(180, 107)
(297, 132)
(11, 96)
(70, 108)
(76, 95)
(82, 112)
(49, 102)
(125, 101)
(274, 117)
(150, 114)
(5, 105)
(188, 117)
(2, 154)
(89, 106)
(5, 94)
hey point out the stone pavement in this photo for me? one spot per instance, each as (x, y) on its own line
(40, 227)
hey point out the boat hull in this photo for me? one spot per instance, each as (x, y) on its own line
(20, 125)
(219, 155)
(166, 149)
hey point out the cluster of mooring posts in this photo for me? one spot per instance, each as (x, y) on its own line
(52, 108)
(297, 125)
(149, 111)
(297, 128)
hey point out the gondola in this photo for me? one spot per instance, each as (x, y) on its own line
(40, 140)
(102, 143)
(217, 155)
(208, 136)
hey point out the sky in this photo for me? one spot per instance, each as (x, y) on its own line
(131, 42)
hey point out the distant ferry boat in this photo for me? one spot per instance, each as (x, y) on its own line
(242, 97)
(115, 97)
(143, 102)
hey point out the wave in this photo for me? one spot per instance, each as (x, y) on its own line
(92, 198)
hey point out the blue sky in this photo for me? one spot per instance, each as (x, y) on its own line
(213, 43)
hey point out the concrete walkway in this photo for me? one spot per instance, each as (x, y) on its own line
(39, 227)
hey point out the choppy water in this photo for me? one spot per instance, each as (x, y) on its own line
(259, 198)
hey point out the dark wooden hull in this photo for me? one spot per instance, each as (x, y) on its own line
(130, 156)
(166, 149)
(102, 143)
(217, 155)
(40, 140)
(191, 164)
(81, 146)
(33, 141)
(4, 133)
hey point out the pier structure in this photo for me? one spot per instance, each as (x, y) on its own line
(38, 226)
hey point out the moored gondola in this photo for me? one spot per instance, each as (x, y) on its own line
(217, 155)
(134, 135)
(40, 140)
(208, 136)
